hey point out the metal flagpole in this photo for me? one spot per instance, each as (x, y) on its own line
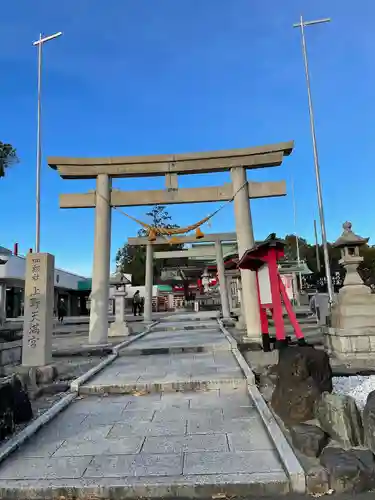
(295, 234)
(317, 247)
(39, 44)
(302, 25)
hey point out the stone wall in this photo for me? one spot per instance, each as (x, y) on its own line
(10, 353)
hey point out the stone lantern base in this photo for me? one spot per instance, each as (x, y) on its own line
(119, 329)
(352, 335)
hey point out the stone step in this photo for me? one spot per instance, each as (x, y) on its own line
(187, 445)
(165, 327)
(160, 387)
(153, 351)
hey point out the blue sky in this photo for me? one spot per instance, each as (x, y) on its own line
(145, 77)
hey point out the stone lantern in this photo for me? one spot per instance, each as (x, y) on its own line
(352, 332)
(206, 281)
(349, 244)
(119, 328)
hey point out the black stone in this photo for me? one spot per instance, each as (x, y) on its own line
(308, 439)
(6, 410)
(21, 403)
(369, 421)
(303, 373)
(15, 406)
(349, 471)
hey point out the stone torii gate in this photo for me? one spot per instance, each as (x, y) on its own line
(215, 252)
(237, 161)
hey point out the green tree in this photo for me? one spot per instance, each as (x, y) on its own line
(308, 254)
(132, 260)
(8, 157)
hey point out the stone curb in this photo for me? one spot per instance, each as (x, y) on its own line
(15, 442)
(75, 385)
(170, 487)
(291, 464)
(249, 375)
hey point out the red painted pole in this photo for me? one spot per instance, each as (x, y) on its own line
(263, 321)
(277, 308)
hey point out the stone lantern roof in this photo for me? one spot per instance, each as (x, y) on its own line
(118, 279)
(348, 238)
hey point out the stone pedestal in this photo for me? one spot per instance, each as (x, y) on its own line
(352, 331)
(38, 316)
(119, 328)
(352, 334)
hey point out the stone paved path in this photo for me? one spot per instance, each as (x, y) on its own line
(131, 433)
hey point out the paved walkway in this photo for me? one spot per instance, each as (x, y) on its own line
(132, 433)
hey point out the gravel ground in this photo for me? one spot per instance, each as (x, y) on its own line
(356, 386)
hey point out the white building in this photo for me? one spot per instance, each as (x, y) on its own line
(74, 289)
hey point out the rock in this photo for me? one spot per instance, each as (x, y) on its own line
(317, 480)
(22, 410)
(15, 406)
(352, 470)
(45, 374)
(308, 439)
(369, 422)
(6, 410)
(303, 373)
(266, 381)
(339, 417)
(295, 403)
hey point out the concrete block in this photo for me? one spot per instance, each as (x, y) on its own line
(256, 438)
(360, 344)
(44, 468)
(179, 444)
(10, 356)
(177, 427)
(113, 416)
(135, 465)
(231, 463)
(118, 446)
(37, 448)
(214, 426)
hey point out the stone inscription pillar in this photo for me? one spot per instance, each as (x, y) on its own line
(38, 316)
(149, 281)
(98, 332)
(222, 281)
(245, 240)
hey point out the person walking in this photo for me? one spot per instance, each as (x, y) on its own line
(61, 311)
(142, 306)
(136, 303)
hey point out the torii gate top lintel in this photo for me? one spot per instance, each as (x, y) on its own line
(186, 163)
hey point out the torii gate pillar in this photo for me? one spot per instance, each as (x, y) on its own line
(98, 330)
(149, 281)
(245, 240)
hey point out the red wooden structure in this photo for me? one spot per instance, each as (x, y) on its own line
(262, 257)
